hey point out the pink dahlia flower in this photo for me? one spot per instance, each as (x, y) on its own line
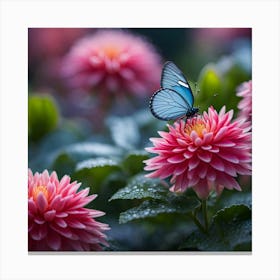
(57, 219)
(245, 104)
(113, 61)
(205, 153)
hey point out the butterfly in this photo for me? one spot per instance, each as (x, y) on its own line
(175, 98)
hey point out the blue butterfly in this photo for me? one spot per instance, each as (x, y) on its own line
(175, 98)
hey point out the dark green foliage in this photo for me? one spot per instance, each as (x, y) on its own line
(230, 230)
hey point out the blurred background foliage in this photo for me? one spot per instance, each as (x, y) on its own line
(104, 149)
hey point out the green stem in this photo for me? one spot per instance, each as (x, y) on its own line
(198, 224)
(204, 213)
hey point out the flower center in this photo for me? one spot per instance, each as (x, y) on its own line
(196, 125)
(40, 189)
(111, 51)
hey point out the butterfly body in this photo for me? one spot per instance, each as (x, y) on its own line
(175, 98)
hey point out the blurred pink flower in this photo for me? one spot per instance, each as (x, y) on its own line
(113, 61)
(46, 47)
(57, 219)
(205, 153)
(221, 34)
(45, 43)
(245, 104)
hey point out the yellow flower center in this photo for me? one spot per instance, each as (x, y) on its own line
(40, 189)
(198, 126)
(111, 51)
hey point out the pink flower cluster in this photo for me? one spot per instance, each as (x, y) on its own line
(57, 219)
(245, 104)
(113, 61)
(205, 153)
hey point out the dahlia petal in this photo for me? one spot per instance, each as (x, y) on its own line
(206, 147)
(38, 232)
(182, 142)
(204, 156)
(156, 141)
(214, 149)
(192, 148)
(217, 163)
(95, 60)
(54, 241)
(193, 162)
(73, 188)
(203, 168)
(57, 203)
(181, 183)
(243, 170)
(42, 202)
(225, 143)
(198, 141)
(202, 189)
(61, 215)
(30, 173)
(32, 206)
(66, 232)
(211, 174)
(228, 182)
(194, 180)
(44, 178)
(207, 138)
(229, 157)
(76, 245)
(51, 190)
(164, 134)
(53, 177)
(65, 180)
(221, 133)
(39, 220)
(76, 224)
(123, 57)
(222, 111)
(194, 135)
(176, 159)
(188, 154)
(179, 150)
(80, 211)
(60, 222)
(180, 169)
(153, 166)
(49, 215)
(127, 73)
(230, 169)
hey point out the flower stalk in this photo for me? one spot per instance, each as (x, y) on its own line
(204, 213)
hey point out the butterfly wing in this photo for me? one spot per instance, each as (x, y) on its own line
(173, 78)
(167, 104)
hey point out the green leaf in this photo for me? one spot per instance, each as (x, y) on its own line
(85, 150)
(133, 162)
(42, 116)
(141, 187)
(151, 208)
(124, 132)
(230, 231)
(63, 164)
(230, 198)
(94, 172)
